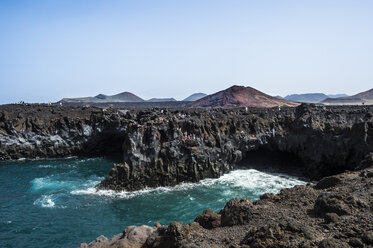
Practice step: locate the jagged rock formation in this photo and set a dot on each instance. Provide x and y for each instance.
(240, 96)
(167, 147)
(42, 131)
(163, 150)
(336, 212)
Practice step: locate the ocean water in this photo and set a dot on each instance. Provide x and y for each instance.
(53, 203)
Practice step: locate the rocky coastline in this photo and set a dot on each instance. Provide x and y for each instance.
(164, 147)
(336, 212)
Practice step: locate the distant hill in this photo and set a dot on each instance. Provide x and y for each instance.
(360, 98)
(121, 97)
(194, 97)
(311, 97)
(337, 95)
(240, 96)
(162, 100)
(366, 95)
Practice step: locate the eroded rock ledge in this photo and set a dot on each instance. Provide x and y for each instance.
(167, 147)
(336, 212)
(174, 147)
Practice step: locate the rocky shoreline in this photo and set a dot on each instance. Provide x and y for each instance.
(165, 150)
(336, 212)
(164, 147)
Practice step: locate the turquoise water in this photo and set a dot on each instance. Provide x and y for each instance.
(53, 203)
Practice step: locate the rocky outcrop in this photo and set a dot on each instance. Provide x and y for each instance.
(43, 131)
(163, 147)
(174, 147)
(322, 215)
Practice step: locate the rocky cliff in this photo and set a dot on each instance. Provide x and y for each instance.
(166, 147)
(43, 131)
(162, 150)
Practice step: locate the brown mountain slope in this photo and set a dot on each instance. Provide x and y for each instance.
(240, 96)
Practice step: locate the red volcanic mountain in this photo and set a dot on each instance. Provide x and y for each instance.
(240, 96)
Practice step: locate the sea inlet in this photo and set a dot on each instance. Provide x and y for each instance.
(55, 202)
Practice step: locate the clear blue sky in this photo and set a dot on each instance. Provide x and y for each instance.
(55, 49)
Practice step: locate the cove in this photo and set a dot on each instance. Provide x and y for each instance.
(55, 202)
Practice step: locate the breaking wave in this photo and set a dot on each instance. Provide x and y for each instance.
(255, 181)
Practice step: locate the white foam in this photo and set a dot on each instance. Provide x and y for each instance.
(48, 183)
(256, 181)
(45, 201)
(51, 183)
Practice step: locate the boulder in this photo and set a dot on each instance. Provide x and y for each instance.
(328, 182)
(209, 219)
(236, 212)
(330, 202)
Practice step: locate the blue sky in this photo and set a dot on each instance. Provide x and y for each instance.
(55, 49)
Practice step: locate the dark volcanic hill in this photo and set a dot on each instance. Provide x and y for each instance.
(194, 97)
(121, 97)
(363, 97)
(240, 96)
